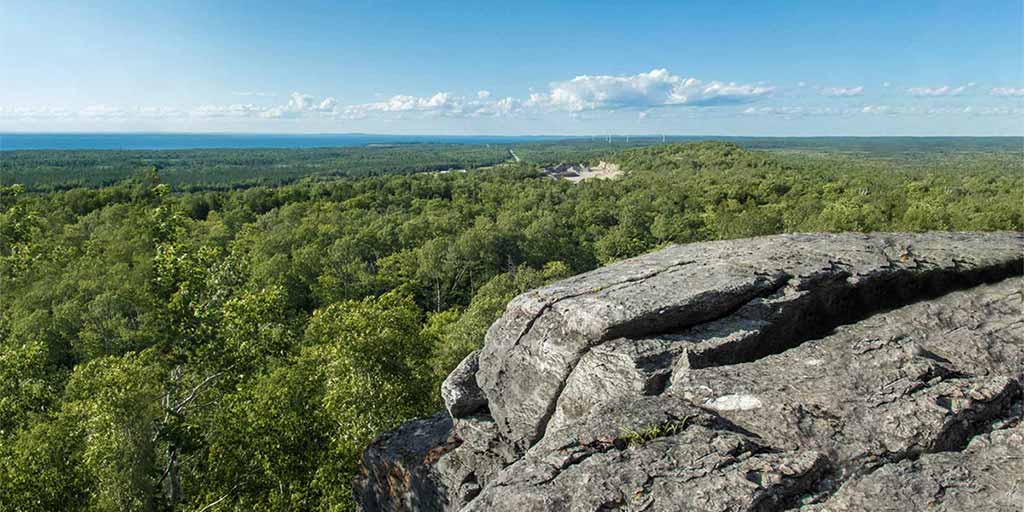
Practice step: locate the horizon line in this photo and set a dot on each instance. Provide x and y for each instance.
(567, 136)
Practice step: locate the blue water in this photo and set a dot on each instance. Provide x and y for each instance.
(15, 141)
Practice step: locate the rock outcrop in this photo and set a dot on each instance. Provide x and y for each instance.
(817, 372)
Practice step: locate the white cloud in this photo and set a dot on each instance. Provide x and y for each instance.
(890, 110)
(801, 84)
(790, 112)
(1007, 91)
(156, 112)
(886, 84)
(976, 111)
(648, 95)
(440, 104)
(644, 91)
(328, 104)
(843, 91)
(300, 104)
(656, 88)
(237, 110)
(503, 107)
(34, 113)
(795, 111)
(944, 90)
(941, 111)
(405, 103)
(102, 112)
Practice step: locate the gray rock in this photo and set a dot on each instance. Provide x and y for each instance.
(986, 476)
(793, 287)
(474, 463)
(460, 392)
(652, 454)
(762, 374)
(922, 378)
(397, 471)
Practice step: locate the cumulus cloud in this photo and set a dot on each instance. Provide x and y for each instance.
(504, 107)
(483, 94)
(406, 103)
(843, 91)
(656, 88)
(1007, 91)
(300, 104)
(945, 90)
(440, 104)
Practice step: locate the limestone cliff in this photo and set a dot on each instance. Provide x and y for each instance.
(817, 372)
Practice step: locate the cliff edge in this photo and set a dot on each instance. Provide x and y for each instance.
(810, 372)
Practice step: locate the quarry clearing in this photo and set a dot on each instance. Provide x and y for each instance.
(581, 172)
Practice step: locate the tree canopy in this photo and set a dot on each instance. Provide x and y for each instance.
(165, 347)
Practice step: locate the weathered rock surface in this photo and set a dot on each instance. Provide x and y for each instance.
(985, 476)
(400, 464)
(462, 396)
(763, 374)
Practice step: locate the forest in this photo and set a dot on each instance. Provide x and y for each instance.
(228, 329)
(232, 169)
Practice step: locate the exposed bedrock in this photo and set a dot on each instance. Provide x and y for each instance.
(761, 374)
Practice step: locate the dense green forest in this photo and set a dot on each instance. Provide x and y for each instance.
(232, 169)
(200, 333)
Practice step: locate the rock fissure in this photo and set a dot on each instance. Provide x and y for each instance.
(780, 283)
(850, 308)
(551, 304)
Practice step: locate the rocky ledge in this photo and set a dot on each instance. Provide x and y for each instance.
(813, 372)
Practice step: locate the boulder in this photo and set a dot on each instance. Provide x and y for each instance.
(462, 397)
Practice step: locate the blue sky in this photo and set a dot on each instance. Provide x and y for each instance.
(587, 67)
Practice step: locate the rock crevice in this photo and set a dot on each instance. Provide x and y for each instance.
(784, 372)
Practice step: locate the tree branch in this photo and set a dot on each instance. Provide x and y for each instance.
(195, 392)
(215, 503)
(218, 500)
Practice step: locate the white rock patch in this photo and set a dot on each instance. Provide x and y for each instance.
(734, 403)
